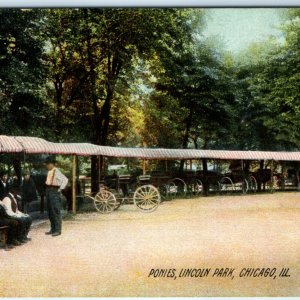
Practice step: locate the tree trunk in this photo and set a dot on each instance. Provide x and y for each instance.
(105, 115)
(96, 124)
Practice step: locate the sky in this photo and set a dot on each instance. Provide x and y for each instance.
(238, 28)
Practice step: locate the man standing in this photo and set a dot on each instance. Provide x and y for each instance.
(56, 181)
(29, 193)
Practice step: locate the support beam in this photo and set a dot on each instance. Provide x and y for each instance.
(283, 169)
(272, 176)
(204, 179)
(261, 170)
(100, 170)
(74, 179)
(144, 167)
(243, 169)
(101, 165)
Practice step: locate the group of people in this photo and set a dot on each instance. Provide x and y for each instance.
(16, 219)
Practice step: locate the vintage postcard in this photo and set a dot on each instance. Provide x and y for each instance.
(149, 152)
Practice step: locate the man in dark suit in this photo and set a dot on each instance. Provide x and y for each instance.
(4, 184)
(10, 205)
(29, 192)
(14, 228)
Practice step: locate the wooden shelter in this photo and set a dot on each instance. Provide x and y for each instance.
(34, 145)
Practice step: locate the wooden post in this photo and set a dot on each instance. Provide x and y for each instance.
(243, 169)
(261, 168)
(101, 165)
(204, 179)
(298, 179)
(282, 186)
(74, 183)
(144, 167)
(272, 179)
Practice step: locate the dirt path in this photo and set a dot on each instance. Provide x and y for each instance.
(112, 255)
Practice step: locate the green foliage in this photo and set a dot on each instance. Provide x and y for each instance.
(20, 51)
(22, 74)
(269, 86)
(145, 77)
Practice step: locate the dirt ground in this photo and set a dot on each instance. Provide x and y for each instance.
(112, 255)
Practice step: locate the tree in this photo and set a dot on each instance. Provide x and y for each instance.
(23, 109)
(274, 91)
(195, 78)
(92, 52)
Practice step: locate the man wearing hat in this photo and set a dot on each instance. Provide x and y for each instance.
(4, 184)
(56, 181)
(29, 192)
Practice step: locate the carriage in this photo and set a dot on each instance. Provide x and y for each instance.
(124, 189)
(238, 181)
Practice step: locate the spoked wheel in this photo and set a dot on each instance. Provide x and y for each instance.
(164, 193)
(252, 184)
(171, 189)
(119, 199)
(214, 187)
(196, 187)
(105, 201)
(226, 185)
(272, 184)
(146, 198)
(245, 186)
(119, 202)
(180, 186)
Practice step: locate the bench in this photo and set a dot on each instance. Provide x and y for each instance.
(3, 236)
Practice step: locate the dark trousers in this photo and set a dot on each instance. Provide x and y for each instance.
(14, 228)
(25, 223)
(54, 209)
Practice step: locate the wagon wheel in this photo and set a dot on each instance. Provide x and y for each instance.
(171, 189)
(197, 187)
(272, 184)
(180, 186)
(226, 184)
(245, 186)
(213, 187)
(147, 198)
(105, 201)
(119, 202)
(119, 199)
(164, 191)
(253, 184)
